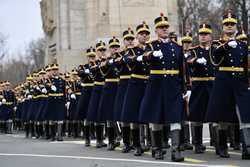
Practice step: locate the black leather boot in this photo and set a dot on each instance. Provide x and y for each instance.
(158, 145)
(176, 155)
(87, 135)
(27, 129)
(111, 137)
(99, 137)
(126, 139)
(136, 142)
(76, 132)
(198, 139)
(223, 148)
(32, 127)
(53, 132)
(70, 127)
(236, 137)
(59, 132)
(47, 131)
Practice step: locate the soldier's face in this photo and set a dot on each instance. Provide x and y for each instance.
(55, 72)
(101, 53)
(91, 59)
(7, 86)
(43, 76)
(229, 28)
(114, 49)
(186, 45)
(162, 32)
(143, 37)
(204, 37)
(129, 42)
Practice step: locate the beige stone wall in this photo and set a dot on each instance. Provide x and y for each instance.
(80, 23)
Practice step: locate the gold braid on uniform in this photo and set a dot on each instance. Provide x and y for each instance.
(134, 55)
(194, 58)
(149, 52)
(211, 59)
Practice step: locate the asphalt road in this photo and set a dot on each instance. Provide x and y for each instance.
(17, 151)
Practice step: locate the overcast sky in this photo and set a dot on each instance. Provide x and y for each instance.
(20, 20)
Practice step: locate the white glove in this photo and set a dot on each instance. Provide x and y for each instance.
(29, 96)
(232, 44)
(3, 100)
(44, 90)
(185, 55)
(249, 88)
(1, 103)
(139, 58)
(187, 95)
(201, 61)
(15, 108)
(73, 96)
(86, 71)
(67, 105)
(158, 54)
(37, 88)
(111, 61)
(53, 88)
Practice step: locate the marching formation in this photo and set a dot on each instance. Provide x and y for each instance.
(144, 94)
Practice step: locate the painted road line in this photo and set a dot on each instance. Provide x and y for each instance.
(107, 159)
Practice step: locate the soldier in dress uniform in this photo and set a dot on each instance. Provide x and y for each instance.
(57, 102)
(124, 75)
(33, 109)
(234, 129)
(73, 95)
(47, 84)
(98, 78)
(163, 102)
(136, 85)
(69, 116)
(69, 121)
(166, 128)
(43, 102)
(27, 99)
(87, 84)
(8, 106)
(39, 103)
(202, 73)
(17, 107)
(230, 87)
(186, 42)
(105, 108)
